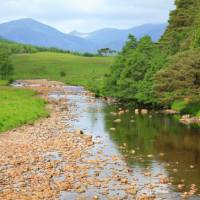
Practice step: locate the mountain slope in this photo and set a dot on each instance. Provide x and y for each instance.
(29, 31)
(115, 38)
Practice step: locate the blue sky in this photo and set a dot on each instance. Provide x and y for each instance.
(88, 15)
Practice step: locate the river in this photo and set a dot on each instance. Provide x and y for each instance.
(152, 145)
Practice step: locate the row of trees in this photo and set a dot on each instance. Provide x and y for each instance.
(158, 74)
(147, 75)
(132, 74)
(106, 52)
(17, 48)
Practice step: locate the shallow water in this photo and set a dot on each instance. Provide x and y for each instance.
(157, 144)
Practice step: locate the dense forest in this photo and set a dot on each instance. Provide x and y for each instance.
(163, 74)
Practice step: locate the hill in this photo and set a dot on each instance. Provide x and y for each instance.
(79, 70)
(115, 38)
(29, 31)
(14, 47)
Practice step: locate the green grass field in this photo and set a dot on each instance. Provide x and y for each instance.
(3, 83)
(18, 107)
(79, 70)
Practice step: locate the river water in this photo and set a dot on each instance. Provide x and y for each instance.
(152, 145)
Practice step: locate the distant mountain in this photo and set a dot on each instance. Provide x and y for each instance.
(115, 38)
(29, 31)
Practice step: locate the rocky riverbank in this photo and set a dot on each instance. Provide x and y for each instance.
(46, 161)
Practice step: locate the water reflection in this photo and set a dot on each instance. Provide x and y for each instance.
(155, 142)
(178, 144)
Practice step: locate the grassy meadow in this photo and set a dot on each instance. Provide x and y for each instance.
(18, 107)
(79, 70)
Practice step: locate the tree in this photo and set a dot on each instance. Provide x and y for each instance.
(104, 51)
(6, 67)
(180, 78)
(132, 75)
(111, 86)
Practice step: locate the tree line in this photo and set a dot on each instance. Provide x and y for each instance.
(158, 74)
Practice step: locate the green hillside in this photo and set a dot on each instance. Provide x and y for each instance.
(68, 68)
(21, 106)
(13, 47)
(32, 62)
(19, 48)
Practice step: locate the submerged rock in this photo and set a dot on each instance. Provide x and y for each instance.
(144, 111)
(78, 131)
(44, 160)
(117, 120)
(137, 111)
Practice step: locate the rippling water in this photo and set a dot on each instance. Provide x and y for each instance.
(152, 145)
(155, 143)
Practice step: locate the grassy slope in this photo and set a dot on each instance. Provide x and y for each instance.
(79, 70)
(19, 107)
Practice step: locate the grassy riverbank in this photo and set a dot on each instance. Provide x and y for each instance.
(67, 68)
(19, 107)
(187, 107)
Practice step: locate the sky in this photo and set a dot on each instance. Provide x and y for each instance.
(88, 15)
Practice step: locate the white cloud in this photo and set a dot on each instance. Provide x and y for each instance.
(87, 15)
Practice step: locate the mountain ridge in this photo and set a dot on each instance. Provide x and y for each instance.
(32, 32)
(115, 38)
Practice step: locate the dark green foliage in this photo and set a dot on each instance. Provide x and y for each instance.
(132, 75)
(192, 108)
(180, 78)
(62, 74)
(6, 67)
(187, 106)
(106, 52)
(183, 32)
(158, 74)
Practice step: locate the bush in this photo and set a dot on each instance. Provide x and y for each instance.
(62, 74)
